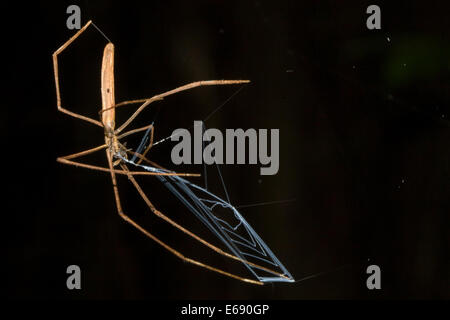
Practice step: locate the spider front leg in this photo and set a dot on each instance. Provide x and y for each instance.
(168, 93)
(56, 76)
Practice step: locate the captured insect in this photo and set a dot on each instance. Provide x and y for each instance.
(238, 236)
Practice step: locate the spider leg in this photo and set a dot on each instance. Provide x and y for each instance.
(123, 135)
(56, 76)
(143, 158)
(122, 172)
(67, 160)
(150, 145)
(152, 130)
(168, 93)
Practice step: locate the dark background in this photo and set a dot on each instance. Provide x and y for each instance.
(364, 145)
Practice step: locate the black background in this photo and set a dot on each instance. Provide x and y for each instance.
(364, 145)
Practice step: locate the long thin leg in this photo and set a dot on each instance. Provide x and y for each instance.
(168, 93)
(122, 172)
(152, 130)
(189, 233)
(66, 160)
(83, 153)
(150, 145)
(161, 243)
(125, 134)
(141, 156)
(56, 75)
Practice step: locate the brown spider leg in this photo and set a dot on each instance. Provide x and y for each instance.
(123, 135)
(189, 233)
(185, 174)
(168, 93)
(66, 160)
(138, 130)
(124, 103)
(142, 158)
(83, 153)
(149, 146)
(154, 238)
(136, 173)
(56, 75)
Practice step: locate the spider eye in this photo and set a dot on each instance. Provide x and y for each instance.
(107, 90)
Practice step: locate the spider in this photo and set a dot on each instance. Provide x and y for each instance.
(117, 156)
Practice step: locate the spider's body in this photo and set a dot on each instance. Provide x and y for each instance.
(107, 89)
(108, 114)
